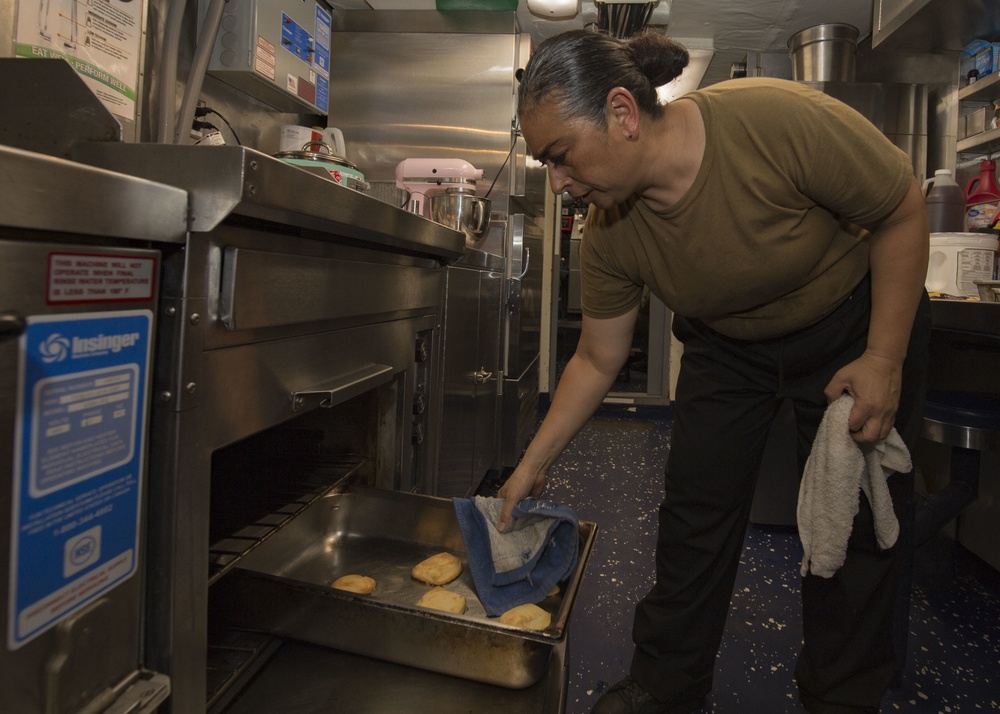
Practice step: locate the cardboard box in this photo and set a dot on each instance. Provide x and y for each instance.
(982, 56)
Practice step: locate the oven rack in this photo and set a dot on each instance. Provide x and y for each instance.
(234, 656)
(283, 501)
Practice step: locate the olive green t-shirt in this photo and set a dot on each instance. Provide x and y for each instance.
(766, 241)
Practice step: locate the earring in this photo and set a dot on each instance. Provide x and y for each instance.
(629, 135)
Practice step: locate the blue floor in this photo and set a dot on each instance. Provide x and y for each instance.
(612, 474)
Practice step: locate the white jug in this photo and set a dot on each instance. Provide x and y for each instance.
(335, 138)
(296, 138)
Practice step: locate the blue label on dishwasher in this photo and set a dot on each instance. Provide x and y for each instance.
(80, 430)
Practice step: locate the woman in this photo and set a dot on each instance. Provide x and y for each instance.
(741, 206)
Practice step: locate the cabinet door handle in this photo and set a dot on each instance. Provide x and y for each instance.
(527, 262)
(481, 376)
(11, 325)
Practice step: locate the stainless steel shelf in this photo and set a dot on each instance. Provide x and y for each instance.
(986, 89)
(983, 92)
(986, 143)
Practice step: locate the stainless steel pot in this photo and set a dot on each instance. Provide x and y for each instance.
(824, 53)
(325, 163)
(462, 210)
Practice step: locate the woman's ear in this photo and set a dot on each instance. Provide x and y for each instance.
(623, 113)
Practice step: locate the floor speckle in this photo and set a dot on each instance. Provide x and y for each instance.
(612, 474)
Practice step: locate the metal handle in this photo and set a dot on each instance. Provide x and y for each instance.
(481, 376)
(342, 388)
(527, 262)
(11, 325)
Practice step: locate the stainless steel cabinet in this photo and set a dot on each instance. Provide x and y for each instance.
(522, 331)
(471, 370)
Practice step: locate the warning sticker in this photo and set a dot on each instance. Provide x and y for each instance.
(264, 59)
(79, 278)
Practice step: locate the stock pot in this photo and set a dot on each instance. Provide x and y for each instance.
(318, 157)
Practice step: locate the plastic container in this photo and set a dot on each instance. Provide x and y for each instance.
(958, 259)
(945, 203)
(982, 198)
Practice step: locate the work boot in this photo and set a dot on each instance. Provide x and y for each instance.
(627, 697)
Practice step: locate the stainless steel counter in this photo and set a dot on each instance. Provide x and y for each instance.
(228, 181)
(45, 193)
(966, 316)
(964, 350)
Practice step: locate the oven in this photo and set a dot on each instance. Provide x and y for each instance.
(299, 326)
(298, 361)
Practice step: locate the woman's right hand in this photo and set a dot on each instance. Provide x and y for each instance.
(523, 482)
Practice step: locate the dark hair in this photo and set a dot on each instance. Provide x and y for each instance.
(577, 69)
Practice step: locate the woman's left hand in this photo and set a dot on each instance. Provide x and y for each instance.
(874, 383)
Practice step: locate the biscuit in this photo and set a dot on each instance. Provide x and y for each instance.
(528, 617)
(438, 598)
(361, 584)
(438, 569)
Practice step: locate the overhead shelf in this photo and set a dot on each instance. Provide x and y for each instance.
(933, 25)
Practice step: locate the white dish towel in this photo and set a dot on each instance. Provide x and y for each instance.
(837, 470)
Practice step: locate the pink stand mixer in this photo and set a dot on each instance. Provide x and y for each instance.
(444, 190)
(421, 178)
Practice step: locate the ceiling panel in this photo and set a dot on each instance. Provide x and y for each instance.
(730, 27)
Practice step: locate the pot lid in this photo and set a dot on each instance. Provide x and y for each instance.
(316, 156)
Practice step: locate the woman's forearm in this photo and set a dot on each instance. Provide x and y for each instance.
(580, 392)
(603, 348)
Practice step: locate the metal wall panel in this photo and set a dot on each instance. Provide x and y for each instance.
(429, 95)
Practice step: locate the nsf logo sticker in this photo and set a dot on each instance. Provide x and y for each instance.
(55, 348)
(81, 550)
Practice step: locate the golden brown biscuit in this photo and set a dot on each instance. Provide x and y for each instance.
(438, 569)
(437, 598)
(361, 584)
(527, 616)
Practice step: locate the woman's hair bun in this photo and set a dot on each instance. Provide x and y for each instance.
(658, 57)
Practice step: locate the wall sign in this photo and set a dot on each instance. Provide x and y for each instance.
(99, 39)
(80, 425)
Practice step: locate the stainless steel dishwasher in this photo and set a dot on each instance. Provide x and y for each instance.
(79, 281)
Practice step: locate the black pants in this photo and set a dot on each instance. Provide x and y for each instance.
(728, 394)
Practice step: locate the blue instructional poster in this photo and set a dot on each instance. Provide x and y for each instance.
(321, 62)
(80, 431)
(323, 33)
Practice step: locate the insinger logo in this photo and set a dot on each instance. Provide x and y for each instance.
(56, 348)
(104, 343)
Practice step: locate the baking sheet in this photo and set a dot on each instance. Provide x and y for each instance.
(283, 587)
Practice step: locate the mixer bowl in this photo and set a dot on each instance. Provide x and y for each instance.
(462, 211)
